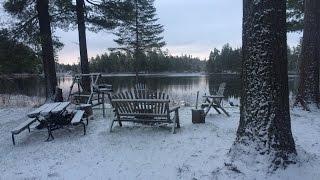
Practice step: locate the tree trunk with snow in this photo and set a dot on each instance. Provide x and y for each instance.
(265, 127)
(308, 92)
(47, 47)
(84, 63)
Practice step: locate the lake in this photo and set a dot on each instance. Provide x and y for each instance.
(180, 87)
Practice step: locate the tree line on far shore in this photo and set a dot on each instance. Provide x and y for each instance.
(228, 59)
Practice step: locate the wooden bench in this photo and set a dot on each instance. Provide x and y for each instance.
(152, 108)
(25, 125)
(78, 119)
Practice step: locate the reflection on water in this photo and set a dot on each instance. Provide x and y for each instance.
(180, 88)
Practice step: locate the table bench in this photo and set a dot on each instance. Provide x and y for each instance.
(23, 126)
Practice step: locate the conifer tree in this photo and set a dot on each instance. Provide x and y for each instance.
(265, 127)
(295, 14)
(140, 32)
(308, 92)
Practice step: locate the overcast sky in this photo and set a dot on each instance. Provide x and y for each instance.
(191, 27)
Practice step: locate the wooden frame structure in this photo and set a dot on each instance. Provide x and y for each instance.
(95, 97)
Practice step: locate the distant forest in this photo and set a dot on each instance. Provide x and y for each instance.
(18, 58)
(229, 60)
(152, 62)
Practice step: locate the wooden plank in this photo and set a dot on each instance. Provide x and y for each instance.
(130, 106)
(49, 108)
(143, 114)
(141, 100)
(143, 120)
(162, 105)
(23, 126)
(37, 111)
(60, 108)
(127, 104)
(124, 105)
(77, 117)
(214, 96)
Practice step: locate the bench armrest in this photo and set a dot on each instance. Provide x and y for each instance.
(175, 108)
(214, 96)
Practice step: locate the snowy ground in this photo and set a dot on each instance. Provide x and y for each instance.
(142, 152)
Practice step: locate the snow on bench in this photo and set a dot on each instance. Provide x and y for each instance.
(77, 118)
(25, 125)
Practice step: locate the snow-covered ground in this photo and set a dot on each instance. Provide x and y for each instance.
(143, 152)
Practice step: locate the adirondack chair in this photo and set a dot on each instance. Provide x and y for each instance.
(144, 107)
(215, 101)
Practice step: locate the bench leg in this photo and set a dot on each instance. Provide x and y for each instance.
(29, 128)
(111, 125)
(13, 141)
(87, 120)
(224, 111)
(216, 109)
(84, 128)
(103, 107)
(120, 123)
(177, 116)
(174, 125)
(50, 136)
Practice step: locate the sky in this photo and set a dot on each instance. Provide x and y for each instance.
(193, 27)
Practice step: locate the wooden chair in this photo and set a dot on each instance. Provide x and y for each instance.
(144, 107)
(215, 101)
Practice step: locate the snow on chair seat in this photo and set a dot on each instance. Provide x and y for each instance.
(25, 125)
(77, 119)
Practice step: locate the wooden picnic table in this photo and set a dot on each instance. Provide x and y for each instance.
(45, 113)
(48, 109)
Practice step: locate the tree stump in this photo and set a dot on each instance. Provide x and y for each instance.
(58, 96)
(198, 116)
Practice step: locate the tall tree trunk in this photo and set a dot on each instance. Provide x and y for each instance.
(47, 47)
(308, 92)
(265, 127)
(83, 45)
(136, 53)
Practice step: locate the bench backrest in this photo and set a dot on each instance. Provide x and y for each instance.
(148, 103)
(141, 107)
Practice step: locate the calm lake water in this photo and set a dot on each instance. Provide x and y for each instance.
(180, 87)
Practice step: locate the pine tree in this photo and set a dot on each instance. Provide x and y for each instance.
(140, 32)
(265, 127)
(38, 10)
(308, 92)
(64, 15)
(295, 14)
